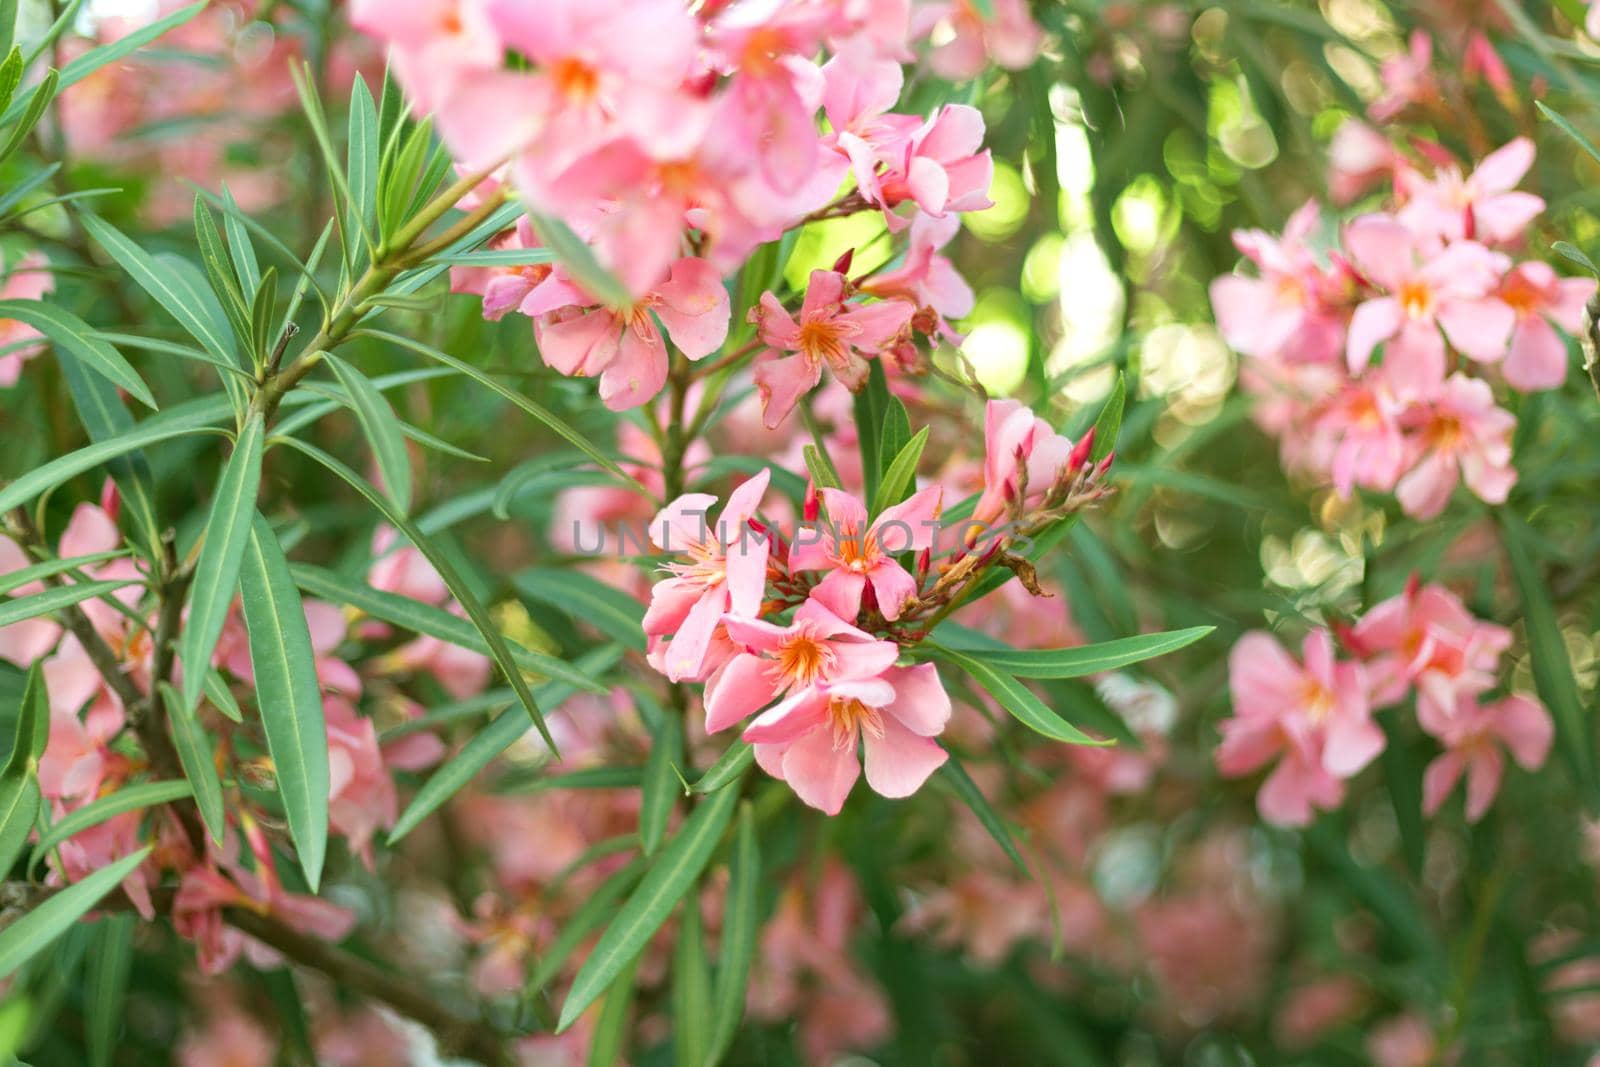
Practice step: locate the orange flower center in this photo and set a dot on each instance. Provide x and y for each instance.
(848, 717)
(802, 660)
(823, 341)
(1416, 298)
(575, 79)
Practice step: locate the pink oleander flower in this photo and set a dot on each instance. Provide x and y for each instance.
(969, 40)
(230, 1037)
(1462, 437)
(1313, 716)
(726, 572)
(828, 332)
(1407, 79)
(1021, 448)
(403, 570)
(29, 279)
(1538, 355)
(859, 95)
(1473, 736)
(205, 891)
(434, 44)
(773, 661)
(361, 795)
(1364, 419)
(945, 167)
(1359, 158)
(855, 553)
(1484, 206)
(1425, 289)
(623, 346)
(837, 685)
(1425, 637)
(1294, 310)
(1404, 1041)
(504, 289)
(23, 642)
(926, 278)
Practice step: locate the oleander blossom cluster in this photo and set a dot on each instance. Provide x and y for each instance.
(675, 140)
(1314, 718)
(804, 638)
(1376, 360)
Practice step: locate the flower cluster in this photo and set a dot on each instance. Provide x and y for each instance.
(1432, 282)
(675, 142)
(806, 633)
(1314, 716)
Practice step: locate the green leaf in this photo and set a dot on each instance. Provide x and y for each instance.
(823, 476)
(498, 649)
(362, 153)
(72, 333)
(599, 907)
(1109, 423)
(382, 427)
(1572, 253)
(549, 419)
(95, 58)
(1091, 659)
(19, 807)
(433, 621)
(52, 567)
(216, 572)
(606, 608)
(961, 783)
(1569, 129)
(896, 433)
(106, 986)
(691, 987)
(33, 722)
(55, 598)
(64, 467)
(901, 473)
(8, 34)
(660, 790)
(199, 765)
(105, 417)
(1015, 697)
(740, 933)
(503, 731)
(262, 320)
(1552, 666)
(214, 258)
(128, 798)
(497, 257)
(179, 301)
(677, 867)
(245, 265)
(221, 696)
(38, 100)
(729, 768)
(37, 929)
(289, 698)
(611, 1029)
(871, 404)
(579, 261)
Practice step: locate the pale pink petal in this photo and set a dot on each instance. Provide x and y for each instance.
(900, 761)
(1374, 322)
(1538, 356)
(744, 687)
(920, 701)
(820, 774)
(694, 307)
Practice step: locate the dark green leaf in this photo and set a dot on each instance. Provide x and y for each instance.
(378, 422)
(608, 609)
(289, 698)
(199, 765)
(961, 783)
(900, 477)
(740, 932)
(72, 333)
(106, 986)
(659, 794)
(128, 798)
(729, 767)
(1015, 697)
(35, 931)
(216, 571)
(53, 599)
(1091, 659)
(691, 987)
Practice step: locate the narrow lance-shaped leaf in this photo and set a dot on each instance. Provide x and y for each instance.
(105, 417)
(96, 58)
(199, 766)
(19, 784)
(579, 261)
(740, 929)
(468, 600)
(181, 303)
(37, 102)
(106, 986)
(1091, 659)
(214, 258)
(691, 987)
(54, 599)
(432, 621)
(37, 929)
(382, 428)
(609, 610)
(660, 792)
(611, 1030)
(961, 783)
(676, 868)
(216, 572)
(128, 798)
(262, 320)
(288, 695)
(243, 253)
(901, 474)
(728, 768)
(72, 333)
(363, 150)
(501, 733)
(50, 567)
(1015, 697)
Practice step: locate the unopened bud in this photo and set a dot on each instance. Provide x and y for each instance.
(842, 264)
(1080, 452)
(812, 507)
